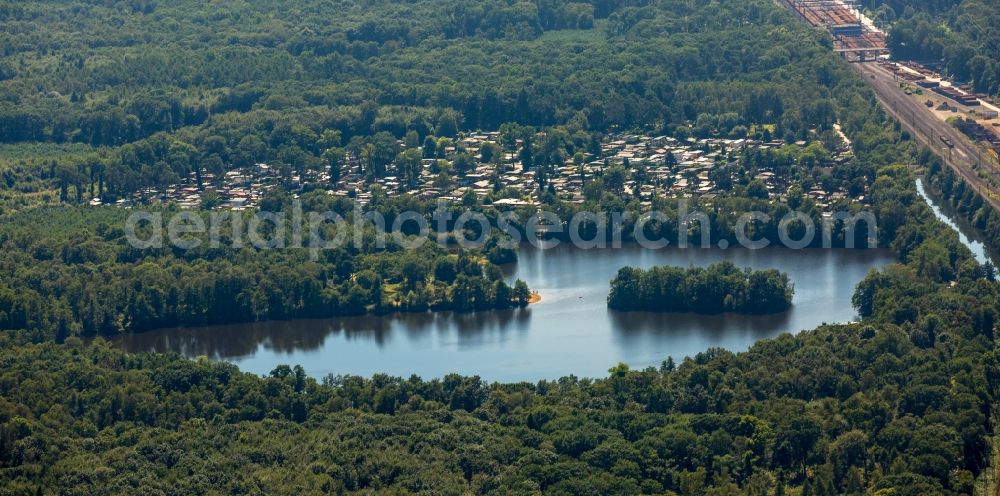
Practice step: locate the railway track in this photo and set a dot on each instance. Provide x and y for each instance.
(932, 132)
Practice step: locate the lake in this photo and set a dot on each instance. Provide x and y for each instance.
(571, 331)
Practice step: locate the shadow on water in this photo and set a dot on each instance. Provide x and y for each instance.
(571, 331)
(237, 341)
(634, 324)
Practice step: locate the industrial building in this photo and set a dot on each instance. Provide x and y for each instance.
(851, 34)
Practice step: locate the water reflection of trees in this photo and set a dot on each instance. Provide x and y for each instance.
(636, 325)
(233, 342)
(572, 319)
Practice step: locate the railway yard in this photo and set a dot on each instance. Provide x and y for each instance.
(853, 34)
(965, 135)
(961, 126)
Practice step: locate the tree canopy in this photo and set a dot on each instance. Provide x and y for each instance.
(101, 98)
(719, 288)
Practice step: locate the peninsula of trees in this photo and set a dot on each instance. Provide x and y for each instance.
(722, 287)
(96, 283)
(108, 99)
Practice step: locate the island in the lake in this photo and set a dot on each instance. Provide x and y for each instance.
(720, 288)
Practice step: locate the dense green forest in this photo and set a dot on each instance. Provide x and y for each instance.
(897, 404)
(220, 90)
(385, 66)
(73, 272)
(961, 34)
(966, 202)
(719, 288)
(103, 97)
(159, 90)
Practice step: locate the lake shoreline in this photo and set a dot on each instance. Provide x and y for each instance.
(567, 328)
